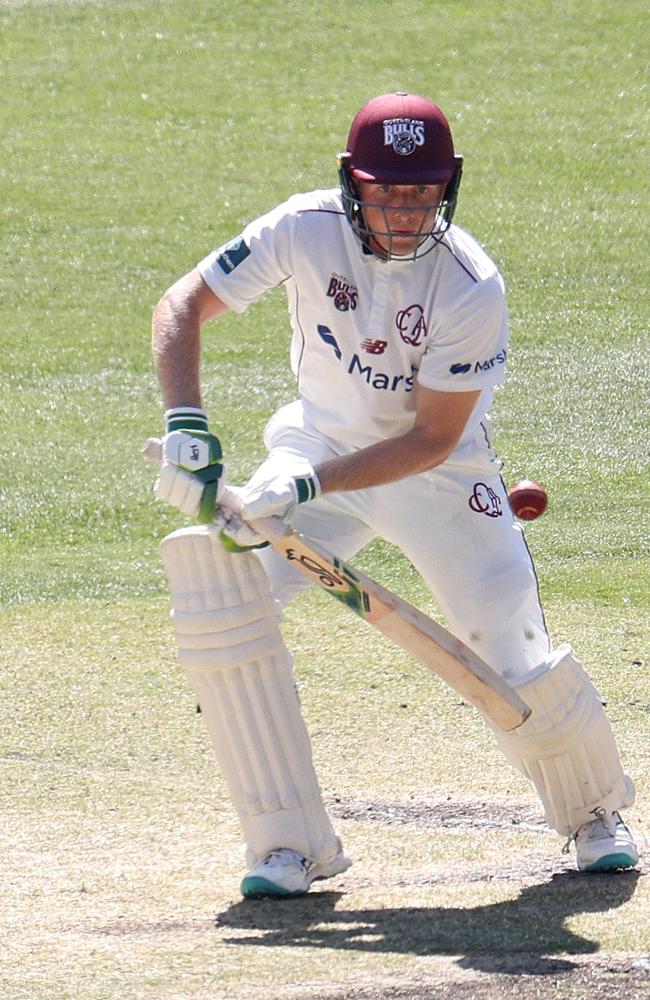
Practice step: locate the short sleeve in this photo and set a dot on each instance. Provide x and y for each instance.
(259, 259)
(468, 348)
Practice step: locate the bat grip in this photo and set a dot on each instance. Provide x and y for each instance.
(270, 528)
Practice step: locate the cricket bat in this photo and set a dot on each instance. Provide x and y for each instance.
(426, 640)
(430, 643)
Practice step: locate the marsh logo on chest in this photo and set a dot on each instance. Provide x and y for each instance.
(411, 325)
(344, 293)
(375, 379)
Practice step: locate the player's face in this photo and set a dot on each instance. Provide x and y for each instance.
(399, 216)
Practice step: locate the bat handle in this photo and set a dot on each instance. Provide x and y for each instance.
(271, 528)
(152, 450)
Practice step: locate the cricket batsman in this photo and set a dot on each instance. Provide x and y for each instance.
(399, 339)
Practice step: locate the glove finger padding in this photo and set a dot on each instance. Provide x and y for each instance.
(191, 473)
(179, 489)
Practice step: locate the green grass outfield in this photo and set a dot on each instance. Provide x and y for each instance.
(137, 136)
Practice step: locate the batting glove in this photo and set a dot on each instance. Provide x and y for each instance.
(236, 535)
(278, 497)
(191, 473)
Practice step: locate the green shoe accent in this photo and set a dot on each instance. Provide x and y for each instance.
(254, 887)
(611, 862)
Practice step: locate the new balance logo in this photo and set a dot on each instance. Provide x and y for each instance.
(374, 346)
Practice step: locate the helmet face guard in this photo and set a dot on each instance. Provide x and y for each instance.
(399, 140)
(381, 242)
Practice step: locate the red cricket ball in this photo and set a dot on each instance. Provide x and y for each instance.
(528, 499)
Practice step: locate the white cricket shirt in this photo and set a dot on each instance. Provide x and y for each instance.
(366, 330)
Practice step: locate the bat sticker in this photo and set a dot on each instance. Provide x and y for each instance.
(344, 586)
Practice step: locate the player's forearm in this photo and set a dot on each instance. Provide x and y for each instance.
(384, 462)
(176, 345)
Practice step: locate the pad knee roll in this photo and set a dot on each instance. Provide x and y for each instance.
(566, 747)
(232, 650)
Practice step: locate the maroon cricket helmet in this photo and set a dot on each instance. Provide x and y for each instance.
(401, 139)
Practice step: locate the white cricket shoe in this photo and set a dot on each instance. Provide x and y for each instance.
(284, 872)
(605, 844)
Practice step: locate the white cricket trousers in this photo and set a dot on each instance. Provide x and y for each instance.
(453, 523)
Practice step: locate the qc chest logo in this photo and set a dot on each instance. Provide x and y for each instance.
(412, 325)
(344, 293)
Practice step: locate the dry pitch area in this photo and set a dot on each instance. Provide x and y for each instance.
(121, 855)
(489, 912)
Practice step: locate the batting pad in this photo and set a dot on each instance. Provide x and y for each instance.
(566, 747)
(230, 646)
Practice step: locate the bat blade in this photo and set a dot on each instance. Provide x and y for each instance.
(439, 650)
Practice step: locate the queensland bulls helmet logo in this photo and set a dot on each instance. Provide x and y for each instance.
(403, 134)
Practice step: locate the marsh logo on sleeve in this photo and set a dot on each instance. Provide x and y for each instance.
(498, 359)
(464, 367)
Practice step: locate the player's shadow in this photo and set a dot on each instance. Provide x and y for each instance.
(533, 924)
